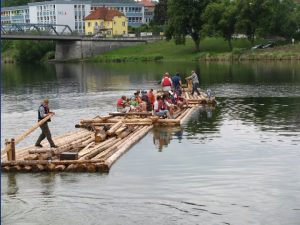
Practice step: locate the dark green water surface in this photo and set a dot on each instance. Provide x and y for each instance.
(237, 163)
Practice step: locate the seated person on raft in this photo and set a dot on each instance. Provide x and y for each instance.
(146, 101)
(151, 96)
(142, 104)
(123, 105)
(160, 109)
(134, 105)
(168, 104)
(178, 100)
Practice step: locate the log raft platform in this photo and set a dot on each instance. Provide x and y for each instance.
(96, 143)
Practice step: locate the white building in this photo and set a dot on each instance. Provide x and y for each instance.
(15, 14)
(60, 12)
(71, 12)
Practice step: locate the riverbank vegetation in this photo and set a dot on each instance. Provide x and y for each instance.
(210, 49)
(26, 51)
(225, 18)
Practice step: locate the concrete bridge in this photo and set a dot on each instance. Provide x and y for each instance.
(69, 45)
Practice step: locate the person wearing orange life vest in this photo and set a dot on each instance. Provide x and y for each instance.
(166, 82)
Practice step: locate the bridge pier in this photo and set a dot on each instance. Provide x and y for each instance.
(68, 50)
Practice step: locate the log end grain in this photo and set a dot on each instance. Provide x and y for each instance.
(91, 168)
(102, 168)
(59, 168)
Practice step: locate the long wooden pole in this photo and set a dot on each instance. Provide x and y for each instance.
(30, 130)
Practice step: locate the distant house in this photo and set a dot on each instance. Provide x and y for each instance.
(149, 7)
(106, 22)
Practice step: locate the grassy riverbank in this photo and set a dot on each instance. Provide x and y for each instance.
(210, 49)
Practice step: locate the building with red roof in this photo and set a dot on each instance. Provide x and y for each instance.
(106, 22)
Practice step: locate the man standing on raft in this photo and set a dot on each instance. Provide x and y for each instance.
(195, 81)
(42, 113)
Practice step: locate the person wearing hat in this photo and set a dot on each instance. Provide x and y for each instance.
(44, 111)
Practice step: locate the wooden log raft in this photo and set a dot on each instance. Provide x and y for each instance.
(125, 146)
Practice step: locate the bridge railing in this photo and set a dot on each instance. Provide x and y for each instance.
(39, 29)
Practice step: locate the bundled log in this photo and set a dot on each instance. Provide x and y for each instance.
(131, 114)
(189, 112)
(85, 150)
(88, 141)
(115, 145)
(115, 127)
(98, 119)
(125, 146)
(40, 151)
(100, 135)
(97, 149)
(126, 132)
(46, 162)
(85, 126)
(121, 129)
(125, 123)
(133, 120)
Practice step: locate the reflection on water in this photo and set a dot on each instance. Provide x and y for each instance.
(162, 136)
(12, 187)
(237, 163)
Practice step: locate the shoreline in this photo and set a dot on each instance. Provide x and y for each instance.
(211, 50)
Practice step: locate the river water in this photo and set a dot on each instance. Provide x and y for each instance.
(238, 163)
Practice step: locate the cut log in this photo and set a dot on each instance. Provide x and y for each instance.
(121, 129)
(125, 146)
(60, 168)
(89, 153)
(131, 114)
(97, 150)
(113, 129)
(100, 135)
(46, 162)
(27, 168)
(39, 151)
(126, 132)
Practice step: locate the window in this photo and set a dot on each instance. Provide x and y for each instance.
(115, 22)
(123, 24)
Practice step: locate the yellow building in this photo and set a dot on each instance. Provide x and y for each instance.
(106, 22)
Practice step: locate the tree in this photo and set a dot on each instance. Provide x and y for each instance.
(33, 51)
(160, 12)
(184, 18)
(285, 19)
(253, 18)
(220, 18)
(7, 3)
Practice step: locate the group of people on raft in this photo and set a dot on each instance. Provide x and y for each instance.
(165, 103)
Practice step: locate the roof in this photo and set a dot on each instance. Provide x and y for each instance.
(93, 2)
(103, 14)
(147, 3)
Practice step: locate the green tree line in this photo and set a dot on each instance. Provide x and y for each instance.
(29, 51)
(7, 3)
(224, 18)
